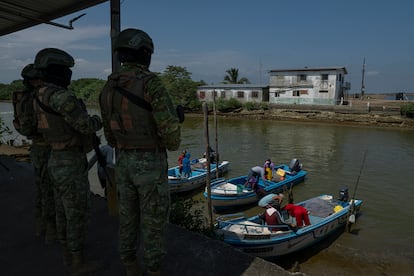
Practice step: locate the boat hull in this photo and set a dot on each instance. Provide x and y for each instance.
(180, 184)
(269, 245)
(226, 195)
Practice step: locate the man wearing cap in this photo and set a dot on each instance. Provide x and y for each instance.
(271, 215)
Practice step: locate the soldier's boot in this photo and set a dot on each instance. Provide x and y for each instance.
(80, 266)
(50, 235)
(132, 269)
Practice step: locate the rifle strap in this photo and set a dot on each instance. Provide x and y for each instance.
(45, 107)
(135, 99)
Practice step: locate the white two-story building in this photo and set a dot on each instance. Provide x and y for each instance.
(320, 86)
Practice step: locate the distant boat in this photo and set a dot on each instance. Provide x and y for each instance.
(231, 193)
(251, 236)
(179, 183)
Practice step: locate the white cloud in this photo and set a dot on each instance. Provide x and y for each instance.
(19, 49)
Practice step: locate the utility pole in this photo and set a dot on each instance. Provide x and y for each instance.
(115, 29)
(363, 80)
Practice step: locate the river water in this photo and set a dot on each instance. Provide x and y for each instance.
(382, 240)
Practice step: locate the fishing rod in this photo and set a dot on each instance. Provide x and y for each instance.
(351, 212)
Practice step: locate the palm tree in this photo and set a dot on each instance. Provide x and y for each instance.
(232, 77)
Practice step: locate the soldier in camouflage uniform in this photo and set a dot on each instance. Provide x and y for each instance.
(64, 122)
(140, 121)
(25, 123)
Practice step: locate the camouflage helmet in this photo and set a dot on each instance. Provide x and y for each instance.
(49, 56)
(133, 39)
(30, 72)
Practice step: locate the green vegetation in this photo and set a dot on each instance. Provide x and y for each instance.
(182, 88)
(233, 105)
(232, 77)
(176, 79)
(184, 213)
(256, 106)
(87, 89)
(6, 91)
(229, 105)
(407, 110)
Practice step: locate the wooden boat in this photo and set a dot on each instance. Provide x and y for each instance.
(179, 183)
(231, 193)
(326, 215)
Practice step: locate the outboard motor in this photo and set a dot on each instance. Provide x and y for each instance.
(294, 165)
(343, 194)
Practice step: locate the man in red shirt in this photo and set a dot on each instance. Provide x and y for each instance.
(299, 212)
(180, 161)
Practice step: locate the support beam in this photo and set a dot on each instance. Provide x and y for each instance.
(115, 29)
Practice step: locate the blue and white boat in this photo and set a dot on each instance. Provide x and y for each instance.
(250, 235)
(179, 183)
(231, 193)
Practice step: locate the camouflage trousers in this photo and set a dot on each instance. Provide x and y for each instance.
(144, 204)
(68, 171)
(44, 199)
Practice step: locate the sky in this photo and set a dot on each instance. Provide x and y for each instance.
(210, 37)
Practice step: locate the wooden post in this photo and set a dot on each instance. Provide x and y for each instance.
(215, 127)
(206, 135)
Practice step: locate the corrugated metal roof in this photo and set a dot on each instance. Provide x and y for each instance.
(16, 15)
(309, 69)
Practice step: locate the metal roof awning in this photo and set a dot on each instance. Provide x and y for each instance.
(16, 15)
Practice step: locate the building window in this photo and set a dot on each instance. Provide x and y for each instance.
(324, 77)
(303, 92)
(240, 94)
(214, 93)
(222, 94)
(323, 91)
(255, 94)
(302, 77)
(296, 93)
(202, 94)
(339, 77)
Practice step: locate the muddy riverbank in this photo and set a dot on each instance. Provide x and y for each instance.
(375, 113)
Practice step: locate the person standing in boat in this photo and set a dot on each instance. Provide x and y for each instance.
(269, 167)
(187, 165)
(212, 155)
(180, 161)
